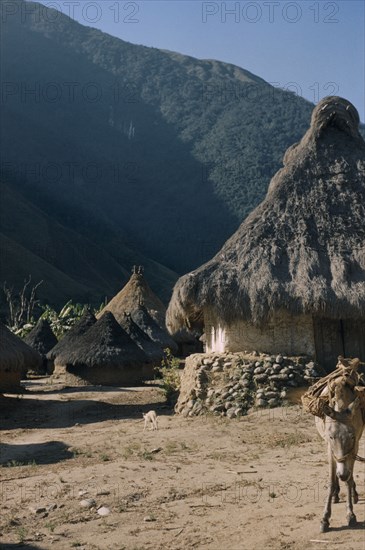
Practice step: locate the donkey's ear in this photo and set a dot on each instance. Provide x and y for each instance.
(342, 361)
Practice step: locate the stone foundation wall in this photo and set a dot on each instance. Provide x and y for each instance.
(283, 333)
(232, 384)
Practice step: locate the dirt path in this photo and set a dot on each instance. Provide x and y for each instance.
(204, 483)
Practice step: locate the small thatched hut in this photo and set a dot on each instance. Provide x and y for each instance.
(105, 355)
(135, 293)
(292, 278)
(15, 358)
(151, 349)
(145, 322)
(67, 341)
(42, 339)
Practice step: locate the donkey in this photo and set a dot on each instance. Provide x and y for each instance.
(341, 427)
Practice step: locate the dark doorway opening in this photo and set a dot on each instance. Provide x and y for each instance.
(334, 337)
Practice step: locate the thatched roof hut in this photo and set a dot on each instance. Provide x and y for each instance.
(151, 349)
(135, 293)
(67, 341)
(15, 358)
(145, 322)
(292, 278)
(105, 355)
(42, 339)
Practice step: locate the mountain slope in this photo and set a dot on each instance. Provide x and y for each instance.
(159, 152)
(69, 263)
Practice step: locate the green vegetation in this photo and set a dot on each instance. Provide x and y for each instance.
(63, 320)
(129, 451)
(76, 452)
(13, 464)
(170, 374)
(22, 533)
(146, 455)
(60, 321)
(172, 447)
(200, 138)
(288, 440)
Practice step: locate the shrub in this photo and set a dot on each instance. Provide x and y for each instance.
(170, 374)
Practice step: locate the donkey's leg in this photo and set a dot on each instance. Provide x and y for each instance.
(351, 518)
(331, 489)
(336, 493)
(355, 494)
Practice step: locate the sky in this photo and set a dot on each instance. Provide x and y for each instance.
(314, 48)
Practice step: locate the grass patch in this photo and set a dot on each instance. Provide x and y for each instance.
(13, 464)
(17, 463)
(146, 455)
(218, 455)
(130, 450)
(171, 447)
(76, 452)
(21, 533)
(287, 440)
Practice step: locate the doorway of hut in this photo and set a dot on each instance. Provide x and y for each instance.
(334, 337)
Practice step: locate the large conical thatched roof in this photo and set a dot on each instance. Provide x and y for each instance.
(303, 248)
(145, 322)
(11, 356)
(16, 354)
(41, 337)
(143, 341)
(86, 321)
(105, 344)
(135, 293)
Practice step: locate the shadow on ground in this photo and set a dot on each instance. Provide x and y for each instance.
(49, 452)
(359, 525)
(30, 413)
(34, 387)
(20, 546)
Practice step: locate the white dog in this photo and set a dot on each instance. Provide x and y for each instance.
(150, 417)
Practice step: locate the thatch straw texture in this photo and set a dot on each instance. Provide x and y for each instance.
(135, 293)
(145, 322)
(105, 354)
(11, 352)
(303, 247)
(151, 349)
(16, 358)
(41, 337)
(71, 337)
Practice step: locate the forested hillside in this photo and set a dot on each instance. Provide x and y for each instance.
(142, 153)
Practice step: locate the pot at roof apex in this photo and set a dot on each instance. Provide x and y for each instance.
(134, 294)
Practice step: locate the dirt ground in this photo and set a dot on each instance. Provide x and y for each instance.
(258, 482)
